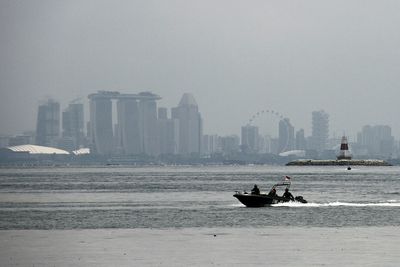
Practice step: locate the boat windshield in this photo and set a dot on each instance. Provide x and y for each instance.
(285, 184)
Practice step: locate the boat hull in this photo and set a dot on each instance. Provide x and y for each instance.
(262, 200)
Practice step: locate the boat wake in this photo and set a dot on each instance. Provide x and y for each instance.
(389, 203)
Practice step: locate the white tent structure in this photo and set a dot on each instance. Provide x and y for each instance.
(81, 151)
(34, 149)
(297, 153)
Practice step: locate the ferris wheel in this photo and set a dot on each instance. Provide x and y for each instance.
(277, 118)
(265, 112)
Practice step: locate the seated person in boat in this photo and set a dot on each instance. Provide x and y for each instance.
(288, 195)
(272, 193)
(255, 190)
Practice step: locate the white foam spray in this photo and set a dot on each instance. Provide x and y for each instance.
(390, 203)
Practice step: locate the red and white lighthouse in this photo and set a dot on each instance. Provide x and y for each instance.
(344, 150)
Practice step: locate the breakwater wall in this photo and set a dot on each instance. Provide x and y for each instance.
(352, 162)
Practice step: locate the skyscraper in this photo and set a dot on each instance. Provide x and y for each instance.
(301, 143)
(190, 125)
(320, 130)
(48, 123)
(136, 128)
(378, 140)
(148, 123)
(129, 134)
(286, 135)
(211, 144)
(168, 130)
(72, 124)
(249, 139)
(101, 128)
(230, 144)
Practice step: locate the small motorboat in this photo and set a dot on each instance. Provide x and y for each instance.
(263, 199)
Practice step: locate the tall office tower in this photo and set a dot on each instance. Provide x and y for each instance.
(168, 130)
(190, 125)
(101, 129)
(262, 144)
(136, 128)
(72, 124)
(250, 139)
(286, 135)
(211, 144)
(301, 143)
(148, 113)
(386, 140)
(378, 140)
(320, 130)
(162, 114)
(230, 144)
(274, 146)
(129, 137)
(205, 144)
(48, 123)
(359, 139)
(267, 143)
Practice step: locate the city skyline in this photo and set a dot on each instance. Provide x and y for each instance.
(133, 124)
(332, 133)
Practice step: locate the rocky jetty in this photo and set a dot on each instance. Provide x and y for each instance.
(342, 162)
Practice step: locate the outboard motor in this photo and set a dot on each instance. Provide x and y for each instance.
(300, 199)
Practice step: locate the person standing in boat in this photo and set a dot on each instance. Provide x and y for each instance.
(288, 195)
(272, 193)
(255, 190)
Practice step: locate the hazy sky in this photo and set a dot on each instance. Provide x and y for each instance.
(236, 57)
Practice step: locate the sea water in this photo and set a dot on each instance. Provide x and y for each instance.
(150, 212)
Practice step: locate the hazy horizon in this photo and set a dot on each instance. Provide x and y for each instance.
(235, 57)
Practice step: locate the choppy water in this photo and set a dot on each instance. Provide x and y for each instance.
(180, 197)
